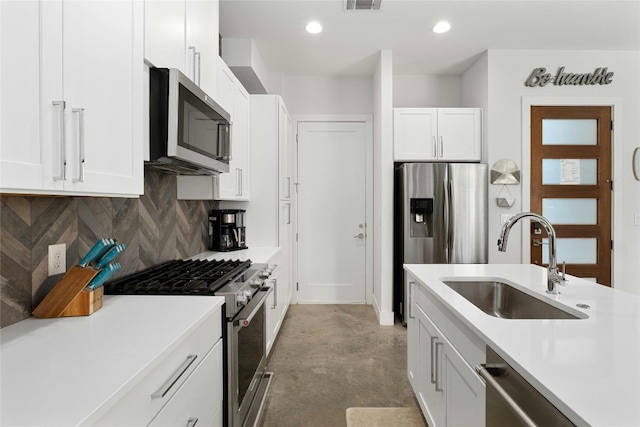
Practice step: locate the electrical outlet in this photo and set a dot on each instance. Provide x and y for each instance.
(57, 259)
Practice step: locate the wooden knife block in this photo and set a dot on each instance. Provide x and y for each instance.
(69, 298)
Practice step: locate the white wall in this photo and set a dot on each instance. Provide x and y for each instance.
(426, 91)
(474, 92)
(507, 71)
(328, 95)
(383, 189)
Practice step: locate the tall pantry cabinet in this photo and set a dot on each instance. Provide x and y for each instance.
(72, 97)
(271, 210)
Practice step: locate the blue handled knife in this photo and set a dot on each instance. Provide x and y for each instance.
(103, 275)
(110, 255)
(98, 249)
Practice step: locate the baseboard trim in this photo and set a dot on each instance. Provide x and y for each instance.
(385, 318)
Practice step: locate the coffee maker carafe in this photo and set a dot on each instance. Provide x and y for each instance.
(227, 230)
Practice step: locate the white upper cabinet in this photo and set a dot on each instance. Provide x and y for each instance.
(89, 114)
(202, 24)
(437, 134)
(164, 33)
(24, 159)
(285, 153)
(235, 185)
(183, 34)
(227, 83)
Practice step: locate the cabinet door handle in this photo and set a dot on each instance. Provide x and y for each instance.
(196, 67)
(435, 149)
(411, 284)
(238, 182)
(441, 147)
(191, 63)
(191, 422)
(63, 153)
(289, 213)
(275, 294)
(434, 341)
(287, 189)
(80, 112)
(439, 346)
(164, 389)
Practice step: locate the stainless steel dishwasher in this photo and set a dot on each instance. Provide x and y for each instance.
(512, 401)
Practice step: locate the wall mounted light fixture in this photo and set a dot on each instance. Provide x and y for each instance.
(505, 172)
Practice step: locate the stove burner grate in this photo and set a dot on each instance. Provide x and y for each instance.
(179, 277)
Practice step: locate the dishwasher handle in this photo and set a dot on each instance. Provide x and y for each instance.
(486, 373)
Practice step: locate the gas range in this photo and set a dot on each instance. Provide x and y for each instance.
(236, 281)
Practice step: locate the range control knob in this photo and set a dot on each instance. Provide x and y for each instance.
(255, 283)
(241, 299)
(265, 273)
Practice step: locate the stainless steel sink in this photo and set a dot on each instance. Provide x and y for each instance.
(499, 299)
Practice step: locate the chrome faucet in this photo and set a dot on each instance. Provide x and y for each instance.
(553, 277)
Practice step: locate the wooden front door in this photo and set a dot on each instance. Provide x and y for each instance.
(571, 186)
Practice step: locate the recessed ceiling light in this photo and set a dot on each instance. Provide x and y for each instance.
(441, 27)
(313, 27)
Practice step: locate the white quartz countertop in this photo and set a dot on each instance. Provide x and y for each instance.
(255, 254)
(69, 371)
(588, 368)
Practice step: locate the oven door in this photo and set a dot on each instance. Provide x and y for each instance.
(246, 356)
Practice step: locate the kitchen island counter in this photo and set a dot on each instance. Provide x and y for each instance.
(588, 368)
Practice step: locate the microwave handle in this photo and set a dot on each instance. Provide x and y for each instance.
(196, 67)
(224, 141)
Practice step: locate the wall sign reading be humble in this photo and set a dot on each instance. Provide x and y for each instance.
(540, 77)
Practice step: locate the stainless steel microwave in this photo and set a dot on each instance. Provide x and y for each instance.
(189, 133)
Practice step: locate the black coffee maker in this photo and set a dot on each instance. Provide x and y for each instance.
(227, 230)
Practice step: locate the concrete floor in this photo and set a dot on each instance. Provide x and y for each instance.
(331, 357)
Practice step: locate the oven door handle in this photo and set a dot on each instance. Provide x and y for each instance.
(254, 305)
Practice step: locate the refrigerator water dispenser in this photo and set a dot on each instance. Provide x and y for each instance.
(422, 217)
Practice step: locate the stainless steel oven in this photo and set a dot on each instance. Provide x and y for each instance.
(248, 377)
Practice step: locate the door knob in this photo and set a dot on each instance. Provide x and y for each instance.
(359, 236)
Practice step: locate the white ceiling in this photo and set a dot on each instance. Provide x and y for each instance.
(351, 40)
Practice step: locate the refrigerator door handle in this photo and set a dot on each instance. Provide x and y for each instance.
(451, 230)
(447, 215)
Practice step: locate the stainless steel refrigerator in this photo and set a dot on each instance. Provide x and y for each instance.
(440, 217)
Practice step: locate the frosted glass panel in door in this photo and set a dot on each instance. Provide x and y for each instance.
(569, 132)
(552, 172)
(570, 211)
(572, 251)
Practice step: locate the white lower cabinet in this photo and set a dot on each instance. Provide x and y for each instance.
(278, 302)
(185, 385)
(449, 391)
(199, 400)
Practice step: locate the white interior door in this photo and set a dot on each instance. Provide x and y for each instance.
(331, 212)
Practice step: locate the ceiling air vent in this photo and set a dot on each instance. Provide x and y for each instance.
(364, 4)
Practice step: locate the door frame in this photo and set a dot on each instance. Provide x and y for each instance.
(616, 159)
(367, 119)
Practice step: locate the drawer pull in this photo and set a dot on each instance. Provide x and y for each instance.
(191, 422)
(162, 391)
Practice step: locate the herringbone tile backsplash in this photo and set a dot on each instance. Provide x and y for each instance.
(155, 228)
